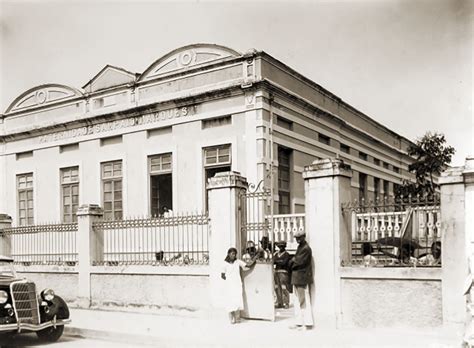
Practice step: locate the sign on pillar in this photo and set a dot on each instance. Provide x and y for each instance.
(327, 187)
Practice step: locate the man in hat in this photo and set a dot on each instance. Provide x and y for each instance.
(281, 260)
(301, 278)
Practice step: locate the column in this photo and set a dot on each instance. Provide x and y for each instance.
(5, 246)
(224, 190)
(453, 241)
(327, 186)
(89, 248)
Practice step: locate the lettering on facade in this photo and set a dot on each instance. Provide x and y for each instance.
(119, 124)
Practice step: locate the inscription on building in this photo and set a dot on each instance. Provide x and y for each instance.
(154, 117)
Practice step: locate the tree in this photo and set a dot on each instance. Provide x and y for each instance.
(432, 155)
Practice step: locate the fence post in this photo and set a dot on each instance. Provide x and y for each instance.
(453, 241)
(225, 226)
(5, 247)
(88, 249)
(327, 186)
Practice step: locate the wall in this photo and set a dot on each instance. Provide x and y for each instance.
(63, 283)
(391, 297)
(164, 294)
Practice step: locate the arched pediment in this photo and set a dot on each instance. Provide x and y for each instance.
(186, 57)
(43, 95)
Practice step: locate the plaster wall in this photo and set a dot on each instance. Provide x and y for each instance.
(63, 284)
(392, 298)
(167, 294)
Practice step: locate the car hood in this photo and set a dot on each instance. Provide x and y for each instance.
(8, 280)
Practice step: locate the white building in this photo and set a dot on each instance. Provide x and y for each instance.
(138, 144)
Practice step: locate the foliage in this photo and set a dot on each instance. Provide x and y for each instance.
(432, 155)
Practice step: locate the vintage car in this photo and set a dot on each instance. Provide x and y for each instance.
(22, 308)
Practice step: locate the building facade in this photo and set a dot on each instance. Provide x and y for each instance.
(142, 144)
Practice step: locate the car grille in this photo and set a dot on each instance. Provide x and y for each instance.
(25, 303)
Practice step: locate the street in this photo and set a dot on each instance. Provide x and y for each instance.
(30, 340)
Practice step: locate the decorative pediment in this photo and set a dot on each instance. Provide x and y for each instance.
(188, 56)
(109, 76)
(43, 95)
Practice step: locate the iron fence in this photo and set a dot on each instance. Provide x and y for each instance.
(51, 244)
(180, 239)
(399, 231)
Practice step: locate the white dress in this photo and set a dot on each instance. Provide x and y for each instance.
(233, 286)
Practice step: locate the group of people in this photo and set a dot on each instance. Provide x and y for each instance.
(292, 274)
(405, 256)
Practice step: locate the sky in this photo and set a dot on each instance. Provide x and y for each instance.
(405, 63)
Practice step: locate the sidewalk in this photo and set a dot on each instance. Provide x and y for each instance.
(174, 331)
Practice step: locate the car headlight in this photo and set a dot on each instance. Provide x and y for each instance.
(3, 296)
(47, 294)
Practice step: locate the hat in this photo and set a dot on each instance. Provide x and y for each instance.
(300, 233)
(280, 243)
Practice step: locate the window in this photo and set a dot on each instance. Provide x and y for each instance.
(69, 193)
(284, 123)
(112, 190)
(396, 169)
(25, 199)
(376, 188)
(363, 156)
(385, 188)
(324, 139)
(385, 165)
(284, 184)
(396, 189)
(161, 183)
(362, 186)
(217, 159)
(344, 148)
(376, 161)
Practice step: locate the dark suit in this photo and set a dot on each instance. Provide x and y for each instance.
(302, 273)
(301, 278)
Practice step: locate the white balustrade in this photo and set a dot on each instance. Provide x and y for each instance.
(285, 226)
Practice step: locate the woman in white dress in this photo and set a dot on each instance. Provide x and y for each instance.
(234, 302)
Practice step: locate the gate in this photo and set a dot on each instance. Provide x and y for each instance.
(258, 283)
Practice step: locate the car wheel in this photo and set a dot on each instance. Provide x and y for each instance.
(51, 334)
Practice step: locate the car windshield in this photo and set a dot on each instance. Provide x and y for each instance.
(6, 269)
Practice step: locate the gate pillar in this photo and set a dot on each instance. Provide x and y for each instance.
(327, 186)
(225, 223)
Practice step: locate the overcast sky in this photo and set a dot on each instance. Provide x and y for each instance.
(406, 64)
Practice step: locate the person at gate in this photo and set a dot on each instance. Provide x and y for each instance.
(369, 259)
(301, 278)
(234, 301)
(250, 251)
(281, 260)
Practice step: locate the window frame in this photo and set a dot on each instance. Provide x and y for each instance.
(25, 190)
(154, 173)
(70, 185)
(113, 180)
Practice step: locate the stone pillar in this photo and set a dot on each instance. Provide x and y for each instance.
(5, 240)
(468, 176)
(89, 248)
(225, 225)
(453, 241)
(327, 186)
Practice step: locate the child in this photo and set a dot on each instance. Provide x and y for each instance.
(233, 284)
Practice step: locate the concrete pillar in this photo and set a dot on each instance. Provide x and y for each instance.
(453, 241)
(89, 248)
(224, 190)
(5, 246)
(327, 186)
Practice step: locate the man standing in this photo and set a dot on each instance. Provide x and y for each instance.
(301, 278)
